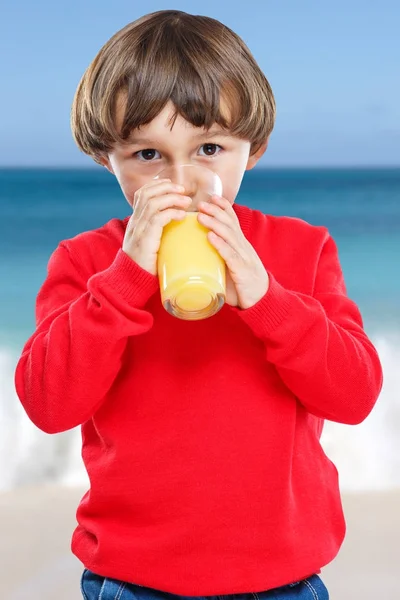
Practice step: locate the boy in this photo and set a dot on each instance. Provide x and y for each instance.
(201, 439)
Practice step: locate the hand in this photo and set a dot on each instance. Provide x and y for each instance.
(155, 205)
(247, 279)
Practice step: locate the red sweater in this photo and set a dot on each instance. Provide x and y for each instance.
(201, 439)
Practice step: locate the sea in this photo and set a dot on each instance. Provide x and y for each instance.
(360, 207)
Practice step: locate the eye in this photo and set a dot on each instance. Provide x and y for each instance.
(210, 149)
(146, 155)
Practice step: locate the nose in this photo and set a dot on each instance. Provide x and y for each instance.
(184, 174)
(178, 173)
(194, 178)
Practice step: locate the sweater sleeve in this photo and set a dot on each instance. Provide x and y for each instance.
(318, 345)
(82, 326)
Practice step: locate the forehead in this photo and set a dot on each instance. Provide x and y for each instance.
(164, 122)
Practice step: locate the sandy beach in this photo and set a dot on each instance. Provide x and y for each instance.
(36, 562)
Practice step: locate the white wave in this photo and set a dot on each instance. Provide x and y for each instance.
(366, 455)
(28, 455)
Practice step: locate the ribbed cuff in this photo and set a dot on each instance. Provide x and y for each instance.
(270, 311)
(127, 279)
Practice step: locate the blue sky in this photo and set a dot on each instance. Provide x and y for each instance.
(333, 66)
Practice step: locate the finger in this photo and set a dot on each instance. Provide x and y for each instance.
(217, 212)
(147, 209)
(142, 216)
(224, 230)
(146, 231)
(223, 203)
(142, 191)
(161, 219)
(153, 189)
(156, 205)
(146, 199)
(227, 252)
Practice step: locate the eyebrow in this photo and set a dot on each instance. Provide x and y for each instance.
(204, 135)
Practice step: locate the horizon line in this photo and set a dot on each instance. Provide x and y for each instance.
(257, 168)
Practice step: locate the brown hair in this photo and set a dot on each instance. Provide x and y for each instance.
(171, 55)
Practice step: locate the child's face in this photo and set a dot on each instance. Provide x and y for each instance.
(155, 146)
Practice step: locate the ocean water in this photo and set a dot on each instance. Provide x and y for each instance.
(361, 208)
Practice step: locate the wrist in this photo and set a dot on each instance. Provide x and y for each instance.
(255, 298)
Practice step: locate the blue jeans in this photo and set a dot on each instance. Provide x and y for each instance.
(95, 587)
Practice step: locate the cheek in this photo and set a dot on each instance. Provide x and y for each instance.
(233, 178)
(230, 190)
(128, 187)
(129, 182)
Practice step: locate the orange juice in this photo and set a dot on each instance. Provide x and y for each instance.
(191, 272)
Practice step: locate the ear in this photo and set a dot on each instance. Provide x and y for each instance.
(105, 162)
(254, 158)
